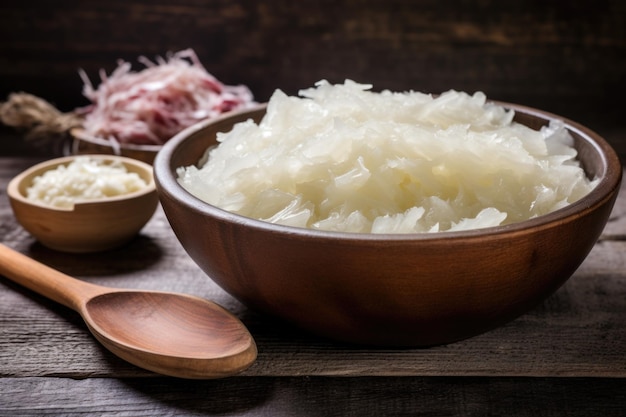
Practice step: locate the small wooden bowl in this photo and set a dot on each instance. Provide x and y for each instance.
(84, 144)
(90, 226)
(393, 290)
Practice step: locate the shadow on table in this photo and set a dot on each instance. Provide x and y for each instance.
(139, 254)
(371, 396)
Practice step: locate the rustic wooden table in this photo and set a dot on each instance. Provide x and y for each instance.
(566, 357)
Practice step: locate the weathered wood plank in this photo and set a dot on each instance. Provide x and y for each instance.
(345, 397)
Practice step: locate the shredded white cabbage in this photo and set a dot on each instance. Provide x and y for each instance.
(83, 179)
(343, 158)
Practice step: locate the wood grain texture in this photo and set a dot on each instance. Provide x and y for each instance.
(168, 333)
(565, 358)
(567, 58)
(313, 396)
(578, 332)
(114, 221)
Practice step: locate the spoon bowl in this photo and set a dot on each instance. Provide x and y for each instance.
(172, 334)
(154, 330)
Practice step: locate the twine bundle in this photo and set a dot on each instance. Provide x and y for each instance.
(43, 125)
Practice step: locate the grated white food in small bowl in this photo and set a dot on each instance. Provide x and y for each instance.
(344, 158)
(82, 180)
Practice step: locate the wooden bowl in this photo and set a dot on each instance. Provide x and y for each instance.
(89, 226)
(389, 290)
(84, 144)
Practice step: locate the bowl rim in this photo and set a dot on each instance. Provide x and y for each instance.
(609, 183)
(13, 188)
(81, 134)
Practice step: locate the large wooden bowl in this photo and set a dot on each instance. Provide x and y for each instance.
(391, 290)
(90, 226)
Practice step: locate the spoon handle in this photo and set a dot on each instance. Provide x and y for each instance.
(46, 281)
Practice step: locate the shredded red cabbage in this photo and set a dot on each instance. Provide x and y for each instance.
(152, 105)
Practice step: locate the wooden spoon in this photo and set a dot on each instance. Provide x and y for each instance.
(172, 334)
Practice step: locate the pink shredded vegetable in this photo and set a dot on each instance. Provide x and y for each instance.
(151, 106)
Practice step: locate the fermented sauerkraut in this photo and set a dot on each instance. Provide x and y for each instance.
(344, 158)
(83, 179)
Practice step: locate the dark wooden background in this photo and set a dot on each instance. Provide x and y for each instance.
(568, 57)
